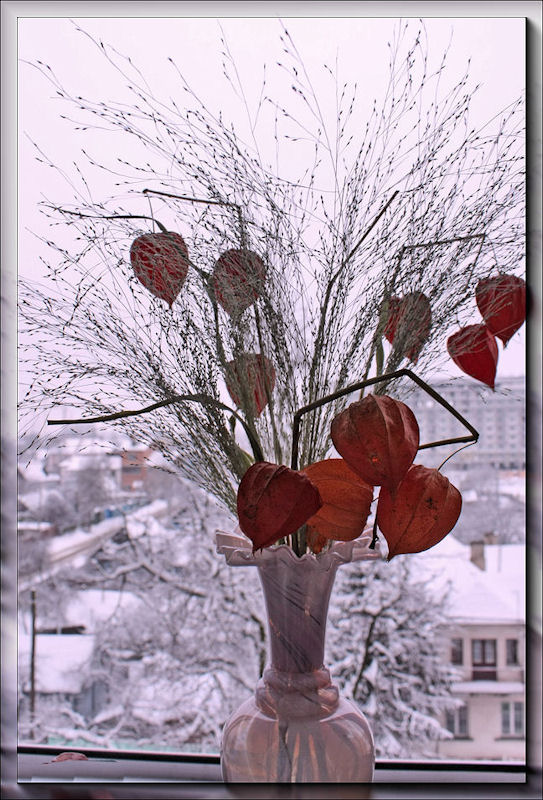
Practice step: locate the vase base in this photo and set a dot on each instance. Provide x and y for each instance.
(257, 748)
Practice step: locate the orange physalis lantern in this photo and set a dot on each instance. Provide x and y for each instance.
(274, 501)
(160, 262)
(502, 303)
(378, 437)
(409, 320)
(474, 350)
(424, 509)
(346, 501)
(237, 280)
(256, 374)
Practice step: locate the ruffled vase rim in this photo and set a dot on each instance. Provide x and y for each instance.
(238, 551)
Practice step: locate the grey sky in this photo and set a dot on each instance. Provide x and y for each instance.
(494, 45)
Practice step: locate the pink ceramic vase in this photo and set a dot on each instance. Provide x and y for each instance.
(296, 728)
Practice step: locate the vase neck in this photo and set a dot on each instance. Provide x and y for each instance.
(297, 596)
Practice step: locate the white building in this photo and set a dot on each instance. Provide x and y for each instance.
(486, 630)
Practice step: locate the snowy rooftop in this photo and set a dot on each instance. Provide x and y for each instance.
(493, 595)
(95, 606)
(60, 661)
(33, 472)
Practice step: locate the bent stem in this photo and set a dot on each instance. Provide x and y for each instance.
(299, 537)
(196, 398)
(206, 202)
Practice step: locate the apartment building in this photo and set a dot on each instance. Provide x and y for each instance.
(499, 416)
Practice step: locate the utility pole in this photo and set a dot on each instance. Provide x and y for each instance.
(32, 661)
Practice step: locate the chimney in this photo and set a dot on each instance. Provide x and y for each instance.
(477, 554)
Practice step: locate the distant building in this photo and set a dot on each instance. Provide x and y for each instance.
(499, 417)
(486, 633)
(134, 466)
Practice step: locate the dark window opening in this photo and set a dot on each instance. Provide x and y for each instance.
(483, 658)
(457, 651)
(511, 650)
(457, 722)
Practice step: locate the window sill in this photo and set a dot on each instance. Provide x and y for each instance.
(123, 771)
(511, 737)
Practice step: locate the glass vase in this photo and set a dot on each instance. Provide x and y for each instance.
(296, 728)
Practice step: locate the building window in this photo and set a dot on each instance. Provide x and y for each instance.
(457, 722)
(511, 652)
(483, 657)
(457, 651)
(513, 719)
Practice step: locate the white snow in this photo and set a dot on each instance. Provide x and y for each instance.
(489, 687)
(33, 471)
(62, 547)
(61, 661)
(93, 606)
(493, 595)
(31, 525)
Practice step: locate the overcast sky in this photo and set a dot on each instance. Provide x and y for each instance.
(494, 45)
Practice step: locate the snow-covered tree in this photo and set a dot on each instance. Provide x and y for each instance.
(181, 655)
(387, 649)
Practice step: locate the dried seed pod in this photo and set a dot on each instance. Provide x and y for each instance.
(408, 324)
(274, 501)
(474, 350)
(502, 303)
(237, 280)
(346, 501)
(424, 509)
(378, 437)
(253, 373)
(160, 262)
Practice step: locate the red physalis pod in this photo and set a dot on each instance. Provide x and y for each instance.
(502, 303)
(423, 511)
(252, 375)
(160, 262)
(389, 313)
(474, 350)
(274, 501)
(346, 502)
(378, 437)
(238, 278)
(408, 323)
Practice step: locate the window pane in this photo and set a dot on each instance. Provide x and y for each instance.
(506, 718)
(449, 721)
(463, 721)
(457, 651)
(511, 651)
(519, 718)
(490, 651)
(477, 651)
